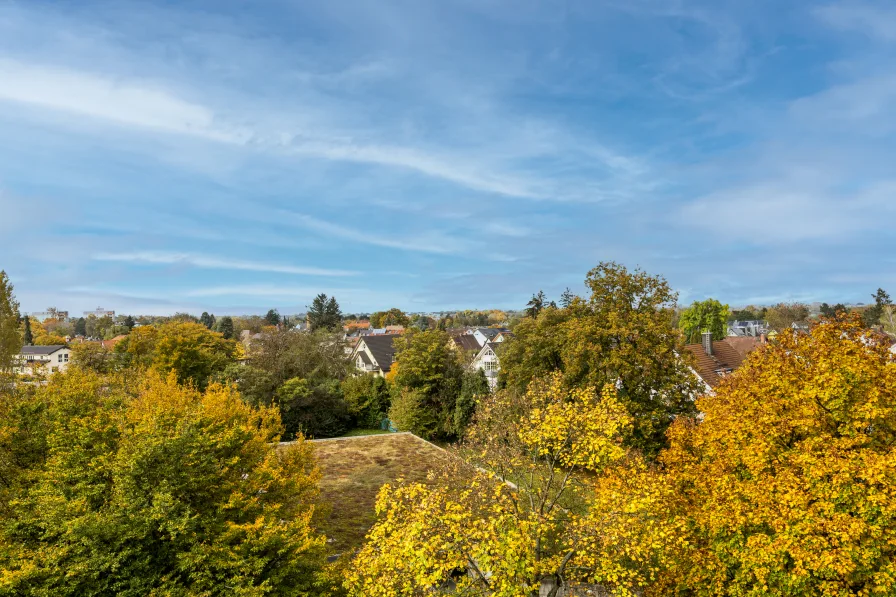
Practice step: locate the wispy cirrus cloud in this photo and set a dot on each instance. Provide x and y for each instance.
(207, 262)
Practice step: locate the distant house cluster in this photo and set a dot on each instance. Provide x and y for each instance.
(372, 350)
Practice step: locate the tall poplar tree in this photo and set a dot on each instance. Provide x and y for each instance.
(10, 340)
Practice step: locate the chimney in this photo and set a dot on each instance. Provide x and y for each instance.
(707, 343)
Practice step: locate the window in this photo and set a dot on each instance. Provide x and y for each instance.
(66, 357)
(59, 358)
(490, 365)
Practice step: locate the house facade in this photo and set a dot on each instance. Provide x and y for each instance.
(43, 359)
(374, 354)
(487, 360)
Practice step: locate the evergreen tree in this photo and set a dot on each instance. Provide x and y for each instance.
(129, 322)
(10, 340)
(272, 317)
(81, 327)
(473, 386)
(566, 298)
(207, 320)
(324, 313)
(536, 304)
(28, 337)
(225, 326)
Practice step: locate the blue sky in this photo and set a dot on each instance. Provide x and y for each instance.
(233, 156)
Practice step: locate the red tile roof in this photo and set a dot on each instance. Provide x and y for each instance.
(727, 356)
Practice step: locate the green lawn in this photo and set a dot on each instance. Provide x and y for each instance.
(357, 432)
(353, 470)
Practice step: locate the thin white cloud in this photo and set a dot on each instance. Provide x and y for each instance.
(862, 18)
(206, 262)
(125, 102)
(251, 290)
(432, 243)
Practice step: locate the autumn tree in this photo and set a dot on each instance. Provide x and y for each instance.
(393, 316)
(192, 351)
(786, 486)
(784, 315)
(324, 313)
(704, 316)
(517, 515)
(427, 382)
(152, 489)
(10, 340)
(93, 356)
(621, 335)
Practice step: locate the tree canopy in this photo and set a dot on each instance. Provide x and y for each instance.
(10, 340)
(704, 316)
(784, 315)
(622, 335)
(394, 316)
(153, 488)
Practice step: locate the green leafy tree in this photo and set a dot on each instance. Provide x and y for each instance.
(129, 322)
(10, 340)
(474, 385)
(622, 336)
(225, 327)
(81, 327)
(367, 399)
(272, 317)
(324, 313)
(153, 488)
(704, 316)
(28, 337)
(312, 409)
(430, 373)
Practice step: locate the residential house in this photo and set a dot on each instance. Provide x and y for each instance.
(485, 335)
(714, 359)
(110, 344)
(502, 336)
(747, 328)
(48, 359)
(465, 343)
(374, 354)
(487, 360)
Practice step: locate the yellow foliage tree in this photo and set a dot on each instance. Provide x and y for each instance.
(788, 485)
(512, 509)
(152, 488)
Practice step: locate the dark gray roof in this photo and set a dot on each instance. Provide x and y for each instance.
(467, 342)
(382, 350)
(364, 357)
(41, 350)
(489, 332)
